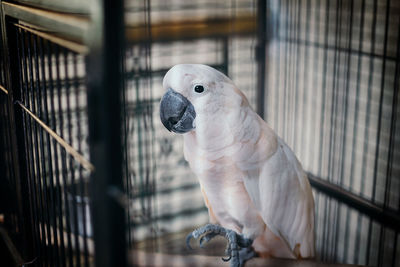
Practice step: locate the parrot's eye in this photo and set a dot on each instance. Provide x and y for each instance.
(199, 89)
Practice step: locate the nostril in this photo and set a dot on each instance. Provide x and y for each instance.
(173, 120)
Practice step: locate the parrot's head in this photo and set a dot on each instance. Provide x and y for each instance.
(194, 90)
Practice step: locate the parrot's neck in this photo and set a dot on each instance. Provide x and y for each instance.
(216, 131)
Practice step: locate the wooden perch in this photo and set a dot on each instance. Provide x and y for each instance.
(141, 258)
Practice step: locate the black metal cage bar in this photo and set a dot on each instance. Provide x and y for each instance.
(47, 90)
(105, 80)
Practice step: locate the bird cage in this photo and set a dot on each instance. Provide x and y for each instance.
(90, 176)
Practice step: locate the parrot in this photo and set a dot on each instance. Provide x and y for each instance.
(257, 194)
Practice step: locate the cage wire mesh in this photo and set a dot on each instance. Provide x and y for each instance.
(52, 99)
(332, 85)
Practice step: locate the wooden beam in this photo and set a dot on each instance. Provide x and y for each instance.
(71, 45)
(192, 29)
(71, 6)
(71, 26)
(75, 26)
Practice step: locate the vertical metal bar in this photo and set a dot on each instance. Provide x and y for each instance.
(126, 159)
(358, 82)
(292, 86)
(289, 68)
(323, 98)
(334, 100)
(315, 65)
(278, 67)
(261, 55)
(342, 142)
(150, 183)
(296, 86)
(105, 73)
(393, 136)
(39, 249)
(53, 212)
(29, 152)
(63, 154)
(79, 135)
(285, 75)
(366, 132)
(306, 92)
(56, 160)
(140, 145)
(343, 148)
(35, 146)
(382, 86)
(225, 57)
(322, 122)
(71, 168)
(346, 93)
(44, 175)
(20, 135)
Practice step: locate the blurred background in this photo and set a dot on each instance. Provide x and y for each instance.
(88, 173)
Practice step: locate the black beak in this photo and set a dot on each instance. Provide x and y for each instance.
(176, 112)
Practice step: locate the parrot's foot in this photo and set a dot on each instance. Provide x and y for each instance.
(246, 254)
(238, 249)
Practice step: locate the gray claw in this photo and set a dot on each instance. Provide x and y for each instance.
(188, 238)
(227, 259)
(206, 238)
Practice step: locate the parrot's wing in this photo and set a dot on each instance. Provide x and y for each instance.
(282, 194)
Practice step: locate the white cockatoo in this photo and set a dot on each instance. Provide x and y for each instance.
(257, 194)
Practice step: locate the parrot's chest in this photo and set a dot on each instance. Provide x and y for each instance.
(227, 196)
(221, 181)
